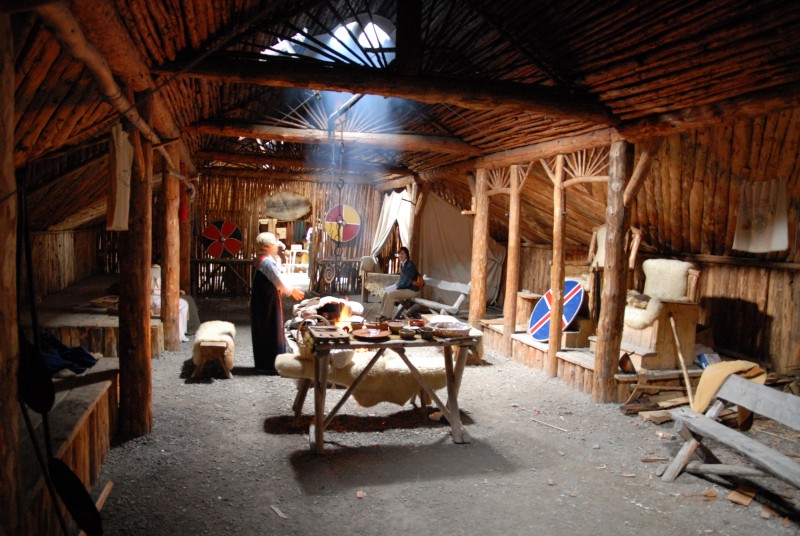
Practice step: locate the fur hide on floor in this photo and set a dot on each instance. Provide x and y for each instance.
(215, 331)
(389, 380)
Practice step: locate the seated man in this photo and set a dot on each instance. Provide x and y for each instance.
(155, 302)
(404, 288)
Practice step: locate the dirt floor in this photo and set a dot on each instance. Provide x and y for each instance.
(225, 457)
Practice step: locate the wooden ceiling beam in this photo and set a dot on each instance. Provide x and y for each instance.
(429, 89)
(524, 155)
(402, 182)
(104, 28)
(219, 171)
(397, 142)
(293, 161)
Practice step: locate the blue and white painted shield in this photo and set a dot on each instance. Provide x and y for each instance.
(539, 326)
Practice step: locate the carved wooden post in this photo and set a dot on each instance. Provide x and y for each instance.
(557, 270)
(9, 349)
(615, 276)
(186, 222)
(135, 389)
(171, 260)
(512, 262)
(480, 243)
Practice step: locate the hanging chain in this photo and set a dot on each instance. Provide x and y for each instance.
(340, 185)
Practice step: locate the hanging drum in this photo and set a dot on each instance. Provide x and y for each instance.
(342, 223)
(222, 239)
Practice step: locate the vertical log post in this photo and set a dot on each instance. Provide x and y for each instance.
(615, 276)
(480, 256)
(171, 260)
(512, 263)
(9, 349)
(186, 223)
(135, 389)
(557, 269)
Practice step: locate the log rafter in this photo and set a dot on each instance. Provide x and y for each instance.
(404, 142)
(470, 94)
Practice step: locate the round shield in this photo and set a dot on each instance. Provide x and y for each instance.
(342, 223)
(539, 326)
(222, 239)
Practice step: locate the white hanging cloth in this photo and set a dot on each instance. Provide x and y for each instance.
(762, 224)
(396, 207)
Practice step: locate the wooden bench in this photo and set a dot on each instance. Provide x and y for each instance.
(462, 289)
(692, 426)
(83, 421)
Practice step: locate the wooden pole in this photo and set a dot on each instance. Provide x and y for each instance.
(135, 382)
(9, 349)
(480, 256)
(186, 221)
(615, 276)
(557, 269)
(512, 262)
(171, 260)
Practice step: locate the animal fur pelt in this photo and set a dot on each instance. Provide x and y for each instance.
(389, 380)
(216, 331)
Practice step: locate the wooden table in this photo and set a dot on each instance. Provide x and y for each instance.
(320, 353)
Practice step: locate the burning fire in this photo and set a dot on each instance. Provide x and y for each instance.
(343, 321)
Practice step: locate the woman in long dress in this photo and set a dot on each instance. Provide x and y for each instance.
(266, 311)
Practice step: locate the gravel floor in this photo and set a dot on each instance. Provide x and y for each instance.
(225, 457)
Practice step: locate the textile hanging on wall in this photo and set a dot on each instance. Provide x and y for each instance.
(396, 207)
(762, 224)
(120, 163)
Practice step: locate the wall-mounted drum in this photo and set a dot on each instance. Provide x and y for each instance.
(342, 223)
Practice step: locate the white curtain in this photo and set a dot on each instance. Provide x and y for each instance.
(445, 250)
(396, 207)
(762, 223)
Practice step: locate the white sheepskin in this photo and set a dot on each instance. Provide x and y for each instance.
(641, 318)
(666, 279)
(389, 380)
(216, 331)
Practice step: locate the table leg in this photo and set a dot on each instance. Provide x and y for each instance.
(320, 386)
(458, 434)
(461, 362)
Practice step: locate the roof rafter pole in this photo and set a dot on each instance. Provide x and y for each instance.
(523, 155)
(399, 142)
(290, 161)
(62, 23)
(512, 260)
(103, 26)
(749, 105)
(9, 351)
(480, 256)
(430, 89)
(282, 175)
(615, 275)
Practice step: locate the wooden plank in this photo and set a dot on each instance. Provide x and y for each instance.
(772, 461)
(765, 401)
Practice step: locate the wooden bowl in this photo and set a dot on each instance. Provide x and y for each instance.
(395, 327)
(408, 334)
(417, 322)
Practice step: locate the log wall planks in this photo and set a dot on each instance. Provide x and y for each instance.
(61, 259)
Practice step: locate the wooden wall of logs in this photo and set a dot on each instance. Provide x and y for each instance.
(60, 259)
(243, 201)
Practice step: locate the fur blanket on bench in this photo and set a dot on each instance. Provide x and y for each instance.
(215, 331)
(389, 380)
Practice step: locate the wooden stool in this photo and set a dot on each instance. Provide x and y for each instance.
(212, 351)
